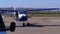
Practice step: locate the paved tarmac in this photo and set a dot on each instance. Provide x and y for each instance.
(36, 30)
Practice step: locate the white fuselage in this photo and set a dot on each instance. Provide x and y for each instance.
(21, 16)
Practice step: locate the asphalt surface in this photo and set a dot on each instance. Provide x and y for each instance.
(37, 21)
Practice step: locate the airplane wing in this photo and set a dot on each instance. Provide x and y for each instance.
(42, 9)
(25, 10)
(30, 9)
(7, 10)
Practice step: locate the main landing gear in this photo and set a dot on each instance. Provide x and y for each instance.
(25, 24)
(12, 27)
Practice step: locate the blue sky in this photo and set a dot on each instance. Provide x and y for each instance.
(31, 3)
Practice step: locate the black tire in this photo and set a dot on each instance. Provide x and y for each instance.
(28, 24)
(12, 26)
(23, 24)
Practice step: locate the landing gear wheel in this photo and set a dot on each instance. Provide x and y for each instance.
(12, 26)
(28, 24)
(23, 24)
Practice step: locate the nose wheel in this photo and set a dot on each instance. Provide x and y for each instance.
(25, 24)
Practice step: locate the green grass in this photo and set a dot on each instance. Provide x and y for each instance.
(38, 15)
(41, 14)
(45, 15)
(44, 12)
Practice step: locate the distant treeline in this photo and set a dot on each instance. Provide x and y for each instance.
(44, 12)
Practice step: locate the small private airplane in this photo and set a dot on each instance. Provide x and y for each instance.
(4, 29)
(21, 14)
(22, 17)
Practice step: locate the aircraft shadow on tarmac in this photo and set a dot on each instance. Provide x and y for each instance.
(34, 25)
